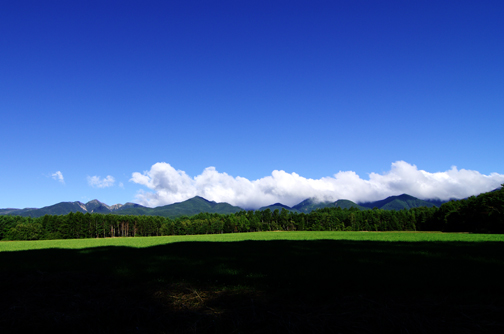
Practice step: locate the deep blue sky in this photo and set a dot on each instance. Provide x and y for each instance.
(97, 88)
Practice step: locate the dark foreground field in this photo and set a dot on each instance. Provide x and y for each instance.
(283, 286)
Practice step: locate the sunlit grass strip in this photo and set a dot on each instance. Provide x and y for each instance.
(140, 242)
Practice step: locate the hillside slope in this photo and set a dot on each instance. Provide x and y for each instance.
(400, 202)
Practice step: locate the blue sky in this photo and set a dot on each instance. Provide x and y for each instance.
(399, 90)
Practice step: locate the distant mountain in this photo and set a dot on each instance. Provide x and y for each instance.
(131, 209)
(346, 204)
(191, 207)
(438, 202)
(277, 206)
(400, 202)
(310, 204)
(63, 208)
(11, 210)
(198, 204)
(96, 206)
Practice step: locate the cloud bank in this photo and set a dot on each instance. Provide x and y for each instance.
(97, 182)
(169, 186)
(58, 176)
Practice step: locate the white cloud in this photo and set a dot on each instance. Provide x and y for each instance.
(58, 176)
(170, 185)
(121, 185)
(97, 182)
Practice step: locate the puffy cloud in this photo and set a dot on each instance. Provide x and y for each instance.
(58, 176)
(169, 186)
(97, 182)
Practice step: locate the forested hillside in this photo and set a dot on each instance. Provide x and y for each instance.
(199, 204)
(400, 202)
(189, 207)
(479, 214)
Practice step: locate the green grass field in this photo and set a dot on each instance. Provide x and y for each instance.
(294, 282)
(140, 242)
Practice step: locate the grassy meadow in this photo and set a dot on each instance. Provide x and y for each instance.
(140, 242)
(293, 282)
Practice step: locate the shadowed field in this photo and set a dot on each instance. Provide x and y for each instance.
(257, 286)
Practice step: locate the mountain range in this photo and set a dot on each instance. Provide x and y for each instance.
(198, 204)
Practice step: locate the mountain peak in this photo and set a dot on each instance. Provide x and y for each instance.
(311, 204)
(404, 196)
(276, 206)
(94, 201)
(201, 198)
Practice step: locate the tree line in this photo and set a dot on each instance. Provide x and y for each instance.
(477, 214)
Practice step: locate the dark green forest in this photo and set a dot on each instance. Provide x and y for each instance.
(477, 214)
